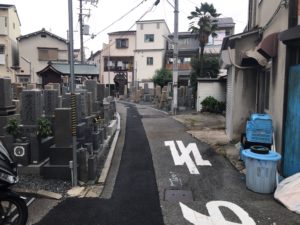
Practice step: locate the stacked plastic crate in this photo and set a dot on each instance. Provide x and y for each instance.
(259, 131)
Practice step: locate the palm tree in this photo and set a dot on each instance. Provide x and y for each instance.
(203, 25)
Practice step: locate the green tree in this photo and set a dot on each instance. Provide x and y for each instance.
(203, 24)
(210, 69)
(162, 77)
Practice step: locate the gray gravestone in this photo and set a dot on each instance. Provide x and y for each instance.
(91, 86)
(106, 109)
(89, 103)
(82, 103)
(146, 88)
(100, 92)
(106, 92)
(31, 106)
(6, 93)
(63, 127)
(51, 102)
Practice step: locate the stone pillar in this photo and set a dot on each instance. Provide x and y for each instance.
(7, 108)
(100, 92)
(31, 106)
(6, 93)
(91, 86)
(51, 102)
(63, 127)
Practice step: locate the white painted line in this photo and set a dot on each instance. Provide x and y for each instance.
(185, 157)
(216, 217)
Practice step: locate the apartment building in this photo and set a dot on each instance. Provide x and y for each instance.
(151, 45)
(9, 31)
(117, 57)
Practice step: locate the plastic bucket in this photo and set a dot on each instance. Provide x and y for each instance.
(261, 171)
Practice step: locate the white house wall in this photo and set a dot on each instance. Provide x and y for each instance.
(144, 71)
(28, 49)
(155, 49)
(277, 81)
(244, 100)
(215, 89)
(10, 42)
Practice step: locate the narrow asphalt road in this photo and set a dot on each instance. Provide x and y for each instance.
(135, 199)
(165, 176)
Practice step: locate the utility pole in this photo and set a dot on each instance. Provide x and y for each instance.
(175, 58)
(73, 165)
(81, 32)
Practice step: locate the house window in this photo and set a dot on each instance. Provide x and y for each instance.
(149, 61)
(2, 49)
(122, 43)
(3, 25)
(149, 37)
(24, 79)
(2, 55)
(48, 54)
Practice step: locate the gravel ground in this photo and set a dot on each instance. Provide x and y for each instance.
(35, 183)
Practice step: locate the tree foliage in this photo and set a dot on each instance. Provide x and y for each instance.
(204, 24)
(162, 77)
(210, 69)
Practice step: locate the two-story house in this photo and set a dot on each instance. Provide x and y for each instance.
(188, 48)
(150, 49)
(264, 75)
(116, 66)
(36, 50)
(9, 31)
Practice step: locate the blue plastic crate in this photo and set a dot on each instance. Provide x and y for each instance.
(259, 128)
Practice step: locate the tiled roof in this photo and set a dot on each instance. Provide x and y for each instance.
(42, 31)
(79, 69)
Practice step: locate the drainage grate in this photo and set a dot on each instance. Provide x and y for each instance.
(178, 196)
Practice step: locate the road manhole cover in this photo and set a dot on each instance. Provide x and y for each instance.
(178, 196)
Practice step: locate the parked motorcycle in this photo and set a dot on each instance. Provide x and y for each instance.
(13, 208)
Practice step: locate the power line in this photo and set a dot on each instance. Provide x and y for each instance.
(144, 14)
(131, 10)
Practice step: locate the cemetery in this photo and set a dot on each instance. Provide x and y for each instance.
(36, 124)
(36, 128)
(160, 97)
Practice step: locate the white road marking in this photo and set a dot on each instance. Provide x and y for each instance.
(185, 157)
(216, 217)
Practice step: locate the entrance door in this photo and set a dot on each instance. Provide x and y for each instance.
(291, 160)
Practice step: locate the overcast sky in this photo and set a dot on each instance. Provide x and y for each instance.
(53, 16)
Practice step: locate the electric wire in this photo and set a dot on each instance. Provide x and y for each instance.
(144, 14)
(131, 10)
